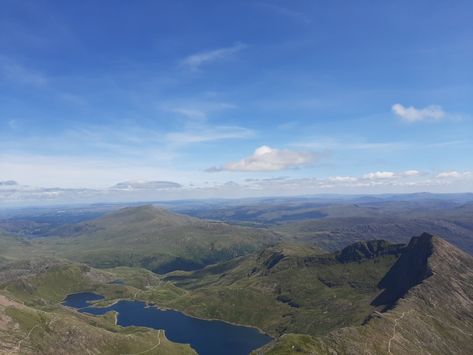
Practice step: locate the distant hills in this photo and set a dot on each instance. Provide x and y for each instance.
(150, 237)
(336, 232)
(328, 221)
(335, 222)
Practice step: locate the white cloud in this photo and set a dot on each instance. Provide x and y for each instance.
(266, 158)
(84, 172)
(453, 174)
(411, 114)
(148, 190)
(195, 61)
(342, 178)
(146, 185)
(380, 175)
(411, 173)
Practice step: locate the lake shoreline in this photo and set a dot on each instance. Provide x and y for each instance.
(150, 304)
(211, 336)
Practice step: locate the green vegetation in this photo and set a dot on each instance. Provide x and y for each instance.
(154, 239)
(434, 316)
(371, 296)
(333, 223)
(32, 331)
(282, 289)
(33, 321)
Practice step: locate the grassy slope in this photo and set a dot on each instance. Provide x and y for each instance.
(299, 293)
(60, 331)
(32, 320)
(284, 289)
(155, 239)
(12, 247)
(434, 317)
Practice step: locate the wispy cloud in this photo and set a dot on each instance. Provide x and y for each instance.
(452, 174)
(197, 60)
(124, 139)
(13, 124)
(266, 158)
(96, 155)
(412, 114)
(321, 143)
(189, 112)
(146, 185)
(384, 175)
(90, 172)
(284, 11)
(207, 134)
(342, 179)
(159, 190)
(17, 73)
(198, 110)
(412, 173)
(380, 175)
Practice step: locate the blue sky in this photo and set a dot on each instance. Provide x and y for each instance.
(235, 98)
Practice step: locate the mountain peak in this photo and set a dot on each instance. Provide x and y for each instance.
(426, 307)
(144, 214)
(424, 256)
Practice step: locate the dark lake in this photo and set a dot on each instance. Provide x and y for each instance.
(207, 337)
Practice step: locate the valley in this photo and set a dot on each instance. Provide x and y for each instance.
(307, 294)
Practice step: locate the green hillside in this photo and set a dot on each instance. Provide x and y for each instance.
(155, 239)
(32, 320)
(426, 307)
(287, 288)
(370, 296)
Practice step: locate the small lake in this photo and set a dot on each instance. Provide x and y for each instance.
(207, 337)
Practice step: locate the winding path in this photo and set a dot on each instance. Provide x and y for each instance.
(154, 347)
(396, 321)
(25, 338)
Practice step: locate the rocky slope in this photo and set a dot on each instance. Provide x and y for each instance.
(288, 288)
(425, 307)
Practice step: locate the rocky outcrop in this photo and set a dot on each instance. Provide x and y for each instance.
(425, 307)
(410, 269)
(368, 250)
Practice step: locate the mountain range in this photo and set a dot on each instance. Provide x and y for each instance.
(370, 296)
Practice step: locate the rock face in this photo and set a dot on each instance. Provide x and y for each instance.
(410, 269)
(425, 307)
(268, 258)
(368, 250)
